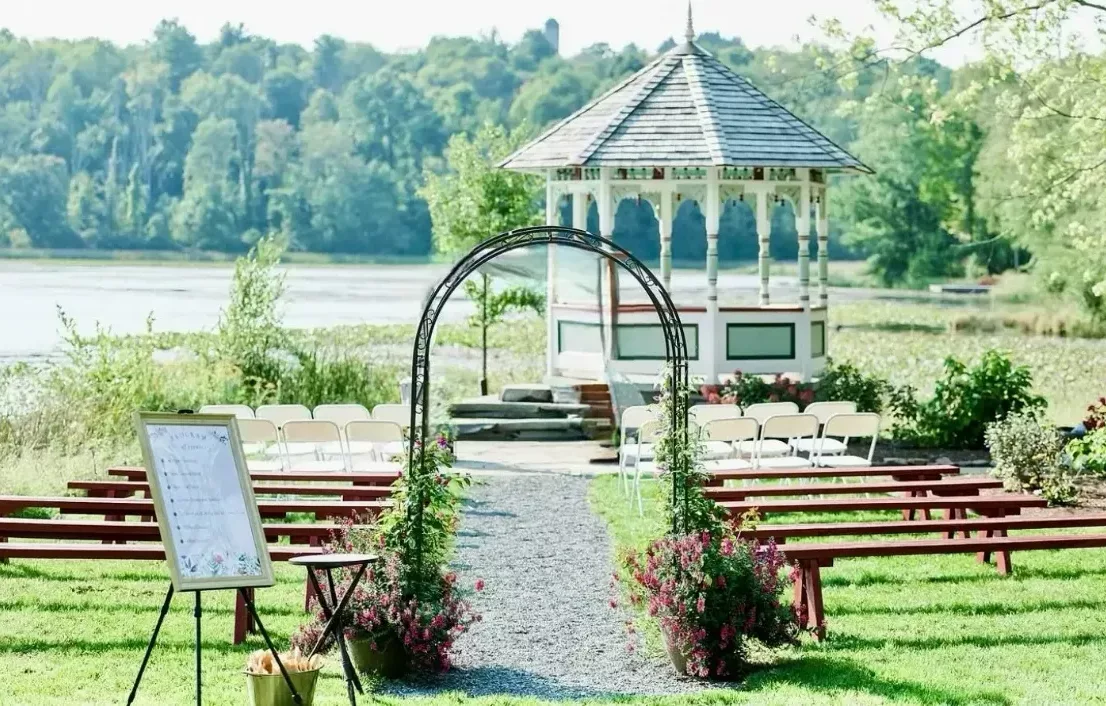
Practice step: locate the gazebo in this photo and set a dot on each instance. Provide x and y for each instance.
(687, 127)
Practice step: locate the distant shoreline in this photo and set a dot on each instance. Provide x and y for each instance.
(196, 257)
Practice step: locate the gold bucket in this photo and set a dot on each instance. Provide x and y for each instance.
(271, 690)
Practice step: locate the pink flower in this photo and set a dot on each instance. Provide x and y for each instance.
(479, 585)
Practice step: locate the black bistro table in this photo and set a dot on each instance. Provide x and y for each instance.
(335, 624)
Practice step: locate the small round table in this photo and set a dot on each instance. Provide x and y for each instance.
(333, 612)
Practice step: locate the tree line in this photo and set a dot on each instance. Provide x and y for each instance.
(176, 144)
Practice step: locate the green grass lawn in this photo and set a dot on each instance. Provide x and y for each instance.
(917, 630)
(929, 630)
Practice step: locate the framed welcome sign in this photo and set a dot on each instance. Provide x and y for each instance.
(204, 500)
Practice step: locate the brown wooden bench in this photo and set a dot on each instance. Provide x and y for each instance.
(243, 624)
(143, 531)
(780, 533)
(351, 477)
(144, 507)
(126, 489)
(947, 486)
(810, 558)
(990, 505)
(933, 472)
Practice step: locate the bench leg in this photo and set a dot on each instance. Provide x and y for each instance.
(243, 621)
(3, 559)
(817, 616)
(1003, 561)
(798, 594)
(985, 557)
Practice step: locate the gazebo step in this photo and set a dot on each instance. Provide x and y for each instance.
(490, 407)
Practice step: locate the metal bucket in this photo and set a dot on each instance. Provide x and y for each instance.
(271, 690)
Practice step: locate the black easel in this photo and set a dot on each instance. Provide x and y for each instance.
(198, 613)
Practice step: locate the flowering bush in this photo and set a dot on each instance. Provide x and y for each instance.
(385, 612)
(1096, 415)
(753, 389)
(409, 598)
(711, 593)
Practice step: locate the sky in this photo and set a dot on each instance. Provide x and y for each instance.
(393, 25)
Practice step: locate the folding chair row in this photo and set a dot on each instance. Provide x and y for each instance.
(703, 413)
(340, 414)
(752, 446)
(779, 441)
(318, 439)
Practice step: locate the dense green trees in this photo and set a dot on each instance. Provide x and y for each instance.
(175, 144)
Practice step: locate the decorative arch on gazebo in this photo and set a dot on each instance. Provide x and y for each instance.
(485, 252)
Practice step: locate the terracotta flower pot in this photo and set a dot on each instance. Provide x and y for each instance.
(271, 689)
(388, 659)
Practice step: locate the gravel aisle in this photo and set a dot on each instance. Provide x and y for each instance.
(548, 629)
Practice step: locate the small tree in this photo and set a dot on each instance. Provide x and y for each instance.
(474, 201)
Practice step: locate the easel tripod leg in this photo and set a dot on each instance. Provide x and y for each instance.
(150, 647)
(198, 613)
(268, 641)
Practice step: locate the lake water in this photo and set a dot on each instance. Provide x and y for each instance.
(190, 297)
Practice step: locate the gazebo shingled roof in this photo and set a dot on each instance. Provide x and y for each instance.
(686, 109)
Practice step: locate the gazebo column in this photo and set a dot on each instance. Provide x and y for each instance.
(802, 224)
(708, 348)
(666, 218)
(552, 218)
(606, 207)
(764, 230)
(822, 224)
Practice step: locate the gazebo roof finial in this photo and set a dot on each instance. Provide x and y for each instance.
(689, 33)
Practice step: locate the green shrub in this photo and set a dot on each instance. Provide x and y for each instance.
(250, 335)
(1089, 453)
(321, 377)
(1028, 456)
(846, 382)
(964, 402)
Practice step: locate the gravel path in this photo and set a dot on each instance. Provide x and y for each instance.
(548, 630)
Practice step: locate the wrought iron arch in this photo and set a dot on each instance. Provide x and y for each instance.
(674, 339)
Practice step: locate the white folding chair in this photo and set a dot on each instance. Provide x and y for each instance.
(730, 432)
(381, 440)
(786, 427)
(240, 411)
(316, 434)
(632, 419)
(340, 414)
(763, 410)
(398, 413)
(858, 425)
(643, 454)
(279, 414)
(703, 414)
(260, 438)
(822, 445)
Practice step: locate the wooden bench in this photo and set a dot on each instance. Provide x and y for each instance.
(143, 531)
(948, 486)
(990, 505)
(127, 489)
(243, 624)
(933, 472)
(990, 525)
(810, 558)
(383, 477)
(144, 507)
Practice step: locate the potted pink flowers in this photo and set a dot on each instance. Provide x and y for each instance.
(711, 594)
